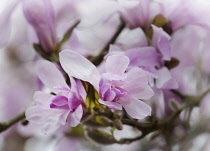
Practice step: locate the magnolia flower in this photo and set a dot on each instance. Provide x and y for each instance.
(138, 13)
(40, 15)
(116, 87)
(52, 111)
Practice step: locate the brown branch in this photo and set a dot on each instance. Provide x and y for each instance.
(130, 140)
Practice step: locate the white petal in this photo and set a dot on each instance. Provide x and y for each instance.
(42, 99)
(79, 67)
(117, 64)
(136, 108)
(50, 75)
(137, 84)
(164, 76)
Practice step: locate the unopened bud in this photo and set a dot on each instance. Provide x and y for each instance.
(103, 120)
(118, 124)
(100, 137)
(40, 14)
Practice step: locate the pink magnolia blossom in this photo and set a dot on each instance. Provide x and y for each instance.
(117, 88)
(138, 13)
(43, 21)
(53, 111)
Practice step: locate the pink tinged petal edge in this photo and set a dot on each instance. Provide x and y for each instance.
(161, 41)
(81, 90)
(111, 105)
(136, 108)
(137, 84)
(165, 48)
(79, 67)
(143, 56)
(117, 64)
(74, 118)
(78, 88)
(59, 102)
(74, 87)
(50, 75)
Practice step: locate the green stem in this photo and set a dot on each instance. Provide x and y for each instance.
(5, 125)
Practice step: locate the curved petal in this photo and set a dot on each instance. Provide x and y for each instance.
(111, 105)
(50, 75)
(136, 108)
(59, 102)
(143, 56)
(40, 14)
(165, 80)
(79, 67)
(81, 90)
(75, 117)
(161, 40)
(137, 84)
(165, 48)
(48, 119)
(42, 99)
(117, 64)
(39, 115)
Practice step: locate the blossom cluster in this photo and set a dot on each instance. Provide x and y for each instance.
(108, 63)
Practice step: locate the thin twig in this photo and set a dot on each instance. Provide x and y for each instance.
(5, 125)
(130, 140)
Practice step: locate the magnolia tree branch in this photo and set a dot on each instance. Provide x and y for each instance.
(130, 140)
(145, 128)
(5, 125)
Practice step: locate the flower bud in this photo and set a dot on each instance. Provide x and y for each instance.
(40, 15)
(118, 124)
(100, 137)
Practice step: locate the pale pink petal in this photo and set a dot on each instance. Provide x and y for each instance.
(74, 87)
(137, 84)
(132, 39)
(49, 119)
(161, 41)
(40, 14)
(136, 108)
(81, 89)
(42, 99)
(117, 64)
(143, 56)
(50, 75)
(165, 79)
(111, 105)
(165, 48)
(79, 67)
(75, 117)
